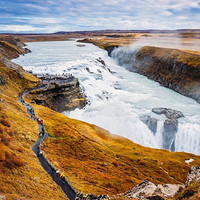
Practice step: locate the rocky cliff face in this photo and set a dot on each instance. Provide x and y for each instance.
(60, 96)
(11, 47)
(172, 68)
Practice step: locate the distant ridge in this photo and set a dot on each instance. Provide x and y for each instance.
(108, 31)
(130, 31)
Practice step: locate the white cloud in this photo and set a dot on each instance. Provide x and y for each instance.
(19, 28)
(70, 15)
(45, 21)
(34, 6)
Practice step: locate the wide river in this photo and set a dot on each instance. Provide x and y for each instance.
(117, 97)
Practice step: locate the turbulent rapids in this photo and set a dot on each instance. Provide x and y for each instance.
(117, 98)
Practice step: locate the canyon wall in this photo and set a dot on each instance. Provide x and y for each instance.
(172, 68)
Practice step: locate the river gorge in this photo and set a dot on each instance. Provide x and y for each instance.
(118, 100)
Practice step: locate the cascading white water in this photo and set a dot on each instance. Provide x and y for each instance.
(117, 97)
(187, 138)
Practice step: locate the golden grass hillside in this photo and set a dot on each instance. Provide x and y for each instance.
(21, 175)
(94, 161)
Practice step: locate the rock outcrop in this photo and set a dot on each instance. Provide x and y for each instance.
(193, 175)
(110, 48)
(60, 96)
(147, 190)
(169, 113)
(11, 47)
(2, 197)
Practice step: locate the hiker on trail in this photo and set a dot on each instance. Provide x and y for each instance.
(40, 134)
(28, 110)
(32, 111)
(62, 178)
(39, 152)
(57, 172)
(39, 121)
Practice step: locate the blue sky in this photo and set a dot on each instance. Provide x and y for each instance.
(48, 16)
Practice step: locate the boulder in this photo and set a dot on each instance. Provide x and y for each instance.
(148, 190)
(193, 175)
(169, 113)
(145, 188)
(167, 190)
(2, 197)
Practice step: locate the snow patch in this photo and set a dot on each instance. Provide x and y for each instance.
(190, 160)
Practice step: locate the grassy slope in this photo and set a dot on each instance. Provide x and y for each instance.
(20, 172)
(95, 161)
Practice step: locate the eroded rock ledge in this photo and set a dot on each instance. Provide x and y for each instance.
(60, 97)
(11, 47)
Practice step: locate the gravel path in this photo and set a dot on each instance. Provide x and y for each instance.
(61, 181)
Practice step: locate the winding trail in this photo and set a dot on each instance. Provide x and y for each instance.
(61, 181)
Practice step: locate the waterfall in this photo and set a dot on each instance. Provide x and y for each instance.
(117, 97)
(158, 135)
(125, 56)
(188, 138)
